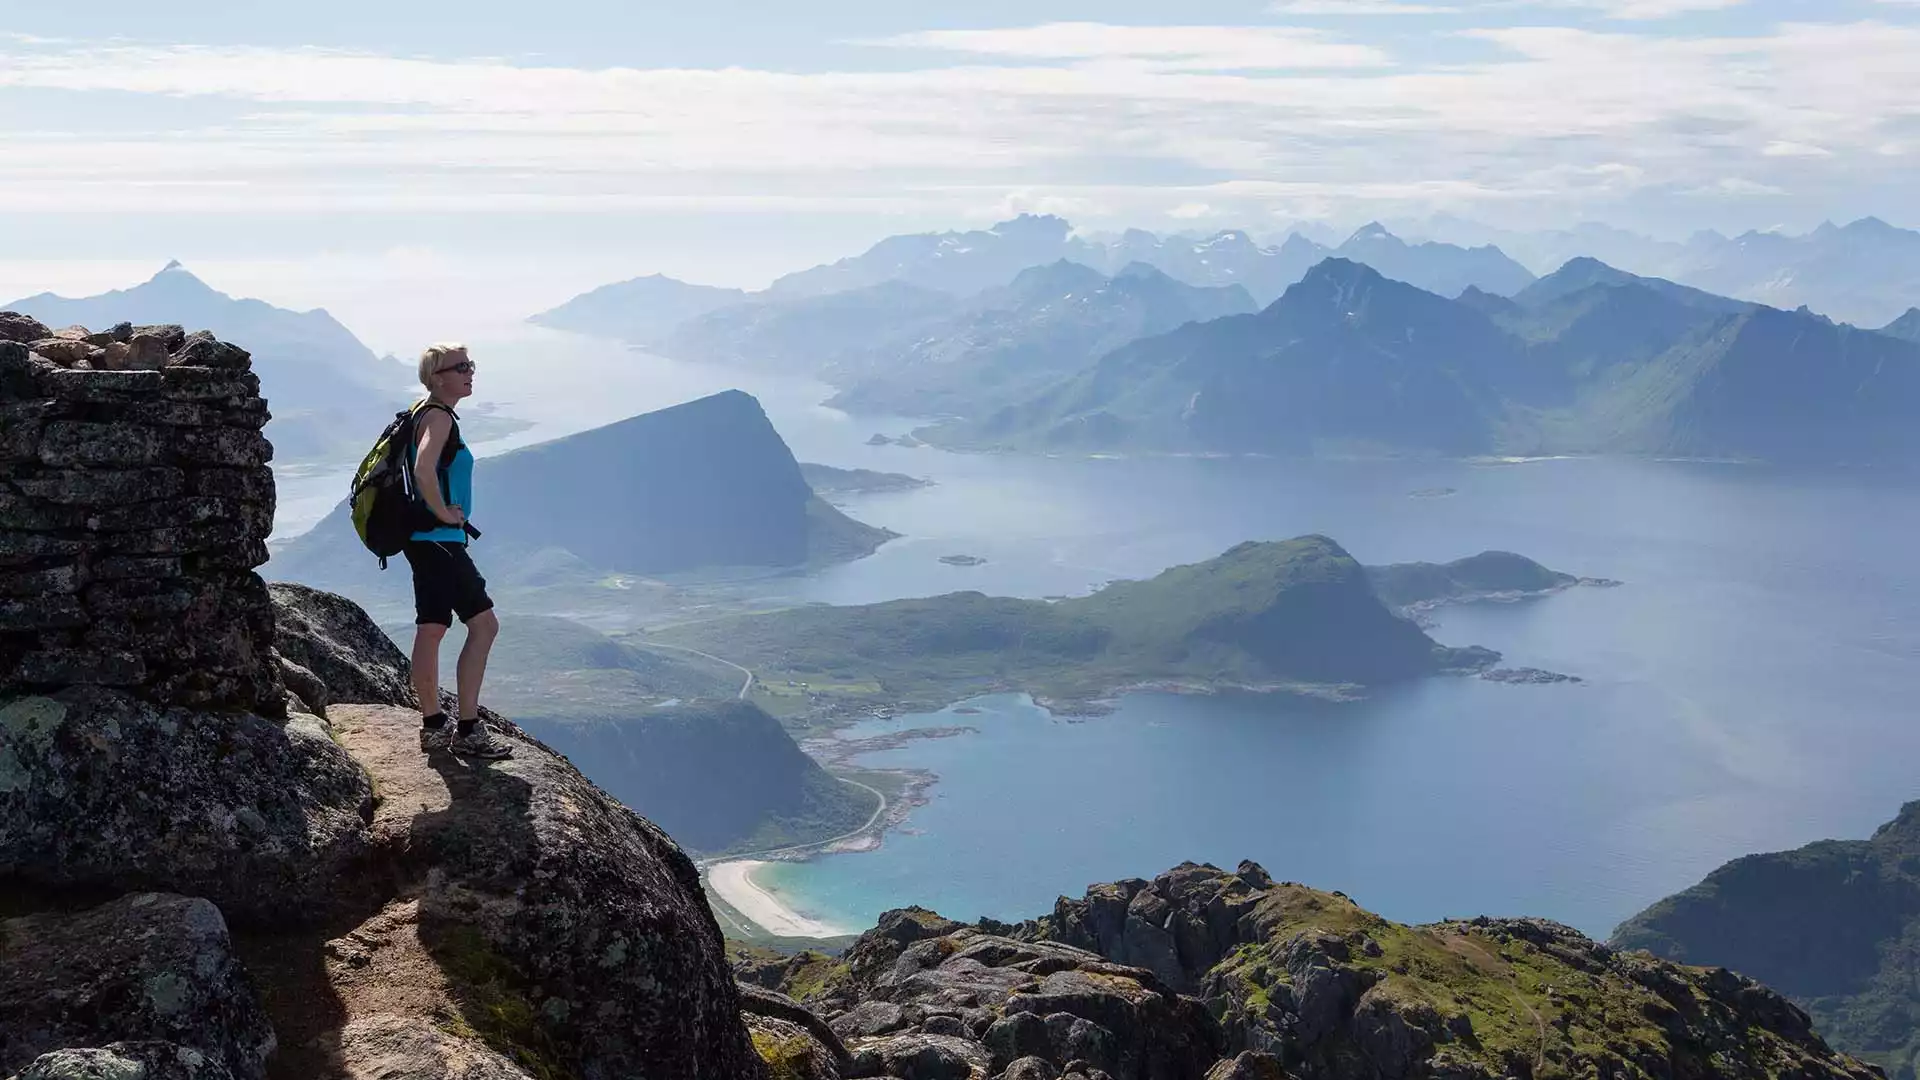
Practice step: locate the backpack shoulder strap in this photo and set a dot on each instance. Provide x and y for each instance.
(454, 442)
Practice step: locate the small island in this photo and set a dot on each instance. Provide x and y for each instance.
(1489, 577)
(963, 560)
(1527, 676)
(1298, 616)
(830, 480)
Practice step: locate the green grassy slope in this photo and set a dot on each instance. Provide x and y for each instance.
(1835, 925)
(1405, 584)
(1297, 612)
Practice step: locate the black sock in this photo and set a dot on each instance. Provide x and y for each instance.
(466, 726)
(435, 722)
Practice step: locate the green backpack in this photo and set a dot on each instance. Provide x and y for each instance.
(386, 509)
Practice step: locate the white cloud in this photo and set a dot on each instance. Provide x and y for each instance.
(1738, 186)
(1101, 121)
(1188, 48)
(1612, 9)
(1639, 9)
(1360, 7)
(1793, 149)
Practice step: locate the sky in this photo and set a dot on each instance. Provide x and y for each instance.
(404, 164)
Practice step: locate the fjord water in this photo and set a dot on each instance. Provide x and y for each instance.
(1750, 687)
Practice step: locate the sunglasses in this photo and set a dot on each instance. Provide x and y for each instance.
(464, 367)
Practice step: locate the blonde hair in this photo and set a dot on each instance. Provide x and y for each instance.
(436, 357)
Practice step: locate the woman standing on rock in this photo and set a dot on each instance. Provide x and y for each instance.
(445, 581)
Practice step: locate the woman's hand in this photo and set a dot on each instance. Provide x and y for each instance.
(454, 517)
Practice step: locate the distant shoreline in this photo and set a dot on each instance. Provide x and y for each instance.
(733, 882)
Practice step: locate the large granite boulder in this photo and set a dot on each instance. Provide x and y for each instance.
(919, 1056)
(149, 968)
(340, 644)
(415, 1048)
(126, 1061)
(592, 920)
(1177, 926)
(791, 1050)
(104, 790)
(22, 328)
(920, 995)
(1249, 1066)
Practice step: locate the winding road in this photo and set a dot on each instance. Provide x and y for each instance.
(801, 849)
(745, 687)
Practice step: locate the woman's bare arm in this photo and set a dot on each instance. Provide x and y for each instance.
(436, 427)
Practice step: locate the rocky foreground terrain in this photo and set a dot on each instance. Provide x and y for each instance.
(1228, 975)
(223, 856)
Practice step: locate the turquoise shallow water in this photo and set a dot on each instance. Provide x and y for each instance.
(1750, 688)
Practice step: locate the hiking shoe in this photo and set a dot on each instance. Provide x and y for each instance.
(481, 743)
(433, 740)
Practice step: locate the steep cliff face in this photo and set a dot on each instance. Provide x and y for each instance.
(209, 792)
(708, 483)
(719, 775)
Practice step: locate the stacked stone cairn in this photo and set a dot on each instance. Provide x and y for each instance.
(135, 502)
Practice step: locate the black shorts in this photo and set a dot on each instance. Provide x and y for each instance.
(445, 583)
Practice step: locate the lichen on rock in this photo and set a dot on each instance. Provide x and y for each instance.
(148, 967)
(100, 789)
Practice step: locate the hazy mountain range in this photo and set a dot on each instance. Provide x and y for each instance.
(322, 384)
(1051, 321)
(1587, 360)
(958, 265)
(1026, 336)
(639, 310)
(1866, 272)
(900, 348)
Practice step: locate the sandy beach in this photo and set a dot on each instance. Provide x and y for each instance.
(733, 882)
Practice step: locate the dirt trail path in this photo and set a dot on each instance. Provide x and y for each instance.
(364, 997)
(1473, 952)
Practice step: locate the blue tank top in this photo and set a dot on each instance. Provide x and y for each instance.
(457, 491)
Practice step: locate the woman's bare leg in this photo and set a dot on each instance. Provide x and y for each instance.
(481, 630)
(426, 666)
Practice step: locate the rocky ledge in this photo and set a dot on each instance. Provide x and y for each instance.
(223, 854)
(1227, 975)
(397, 914)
